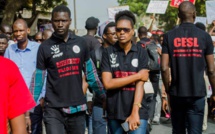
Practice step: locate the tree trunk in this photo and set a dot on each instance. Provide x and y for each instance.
(10, 10)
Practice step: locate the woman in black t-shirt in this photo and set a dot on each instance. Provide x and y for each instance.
(124, 71)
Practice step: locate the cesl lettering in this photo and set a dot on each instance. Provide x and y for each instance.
(186, 42)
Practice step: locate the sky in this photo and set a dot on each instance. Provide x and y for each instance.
(88, 8)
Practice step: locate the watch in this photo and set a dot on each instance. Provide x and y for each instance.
(138, 104)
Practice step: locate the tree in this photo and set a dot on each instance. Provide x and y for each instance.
(169, 19)
(136, 6)
(12, 6)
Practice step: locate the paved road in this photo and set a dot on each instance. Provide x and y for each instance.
(165, 128)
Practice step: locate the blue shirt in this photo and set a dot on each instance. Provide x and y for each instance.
(25, 60)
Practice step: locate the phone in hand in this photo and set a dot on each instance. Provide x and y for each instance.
(125, 126)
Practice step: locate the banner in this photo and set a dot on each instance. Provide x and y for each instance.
(113, 10)
(157, 7)
(210, 11)
(176, 3)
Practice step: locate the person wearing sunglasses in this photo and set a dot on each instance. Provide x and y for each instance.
(124, 71)
(39, 37)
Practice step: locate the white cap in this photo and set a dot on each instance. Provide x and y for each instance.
(149, 34)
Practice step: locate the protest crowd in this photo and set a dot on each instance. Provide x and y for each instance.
(107, 81)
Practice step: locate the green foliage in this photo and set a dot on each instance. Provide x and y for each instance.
(136, 6)
(169, 19)
(50, 3)
(44, 5)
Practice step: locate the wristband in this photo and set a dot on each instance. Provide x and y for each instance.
(27, 117)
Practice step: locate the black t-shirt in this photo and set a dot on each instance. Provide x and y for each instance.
(114, 60)
(64, 62)
(187, 47)
(92, 42)
(143, 42)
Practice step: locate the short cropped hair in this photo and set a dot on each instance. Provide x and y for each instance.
(3, 36)
(111, 24)
(200, 25)
(142, 31)
(61, 8)
(125, 15)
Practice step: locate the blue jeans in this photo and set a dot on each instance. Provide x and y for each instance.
(187, 113)
(99, 124)
(116, 128)
(36, 120)
(58, 122)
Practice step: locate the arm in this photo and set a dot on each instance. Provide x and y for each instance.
(151, 24)
(212, 29)
(165, 77)
(43, 93)
(37, 83)
(134, 119)
(211, 74)
(18, 125)
(165, 71)
(84, 84)
(159, 51)
(93, 79)
(114, 83)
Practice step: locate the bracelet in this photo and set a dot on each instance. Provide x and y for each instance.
(27, 117)
(138, 104)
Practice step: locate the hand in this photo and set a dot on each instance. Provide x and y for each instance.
(104, 109)
(164, 105)
(133, 121)
(28, 123)
(159, 50)
(42, 102)
(212, 101)
(104, 104)
(213, 22)
(89, 107)
(144, 75)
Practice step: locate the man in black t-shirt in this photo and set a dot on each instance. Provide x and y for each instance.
(91, 26)
(64, 56)
(142, 34)
(188, 51)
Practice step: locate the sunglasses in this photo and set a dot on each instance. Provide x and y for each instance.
(111, 33)
(38, 40)
(126, 30)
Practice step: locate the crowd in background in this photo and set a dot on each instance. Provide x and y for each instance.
(107, 81)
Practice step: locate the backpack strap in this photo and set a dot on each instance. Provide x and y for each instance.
(98, 54)
(144, 43)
